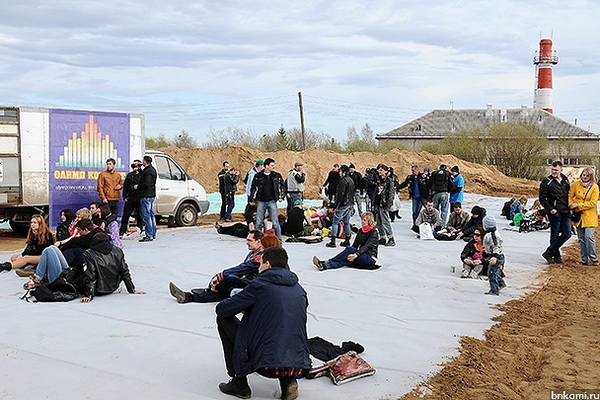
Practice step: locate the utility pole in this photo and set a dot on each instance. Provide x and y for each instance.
(302, 120)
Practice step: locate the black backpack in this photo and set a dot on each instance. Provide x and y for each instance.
(59, 290)
(506, 208)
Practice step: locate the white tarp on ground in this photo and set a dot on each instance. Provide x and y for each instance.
(408, 315)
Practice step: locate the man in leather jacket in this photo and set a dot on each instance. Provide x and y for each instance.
(104, 268)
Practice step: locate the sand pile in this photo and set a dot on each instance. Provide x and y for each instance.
(204, 164)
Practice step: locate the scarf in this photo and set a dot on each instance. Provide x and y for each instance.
(586, 184)
(367, 228)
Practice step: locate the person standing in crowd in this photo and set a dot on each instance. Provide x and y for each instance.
(271, 339)
(295, 184)
(358, 187)
(583, 198)
(131, 198)
(344, 204)
(554, 196)
(110, 184)
(147, 193)
(258, 166)
(267, 189)
(231, 178)
(330, 185)
(458, 186)
(418, 190)
(221, 176)
(369, 184)
(382, 203)
(441, 185)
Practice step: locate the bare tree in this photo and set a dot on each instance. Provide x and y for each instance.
(517, 150)
(185, 140)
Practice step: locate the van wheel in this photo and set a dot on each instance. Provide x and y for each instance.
(187, 215)
(19, 227)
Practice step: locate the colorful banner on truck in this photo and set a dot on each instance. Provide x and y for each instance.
(80, 144)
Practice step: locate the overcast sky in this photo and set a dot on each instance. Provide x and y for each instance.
(197, 65)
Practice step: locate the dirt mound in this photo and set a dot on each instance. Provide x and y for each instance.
(204, 164)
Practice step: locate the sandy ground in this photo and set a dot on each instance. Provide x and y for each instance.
(547, 340)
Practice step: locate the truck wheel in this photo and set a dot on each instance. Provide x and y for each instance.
(19, 227)
(186, 215)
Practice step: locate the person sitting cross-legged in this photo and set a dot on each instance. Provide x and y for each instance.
(271, 339)
(363, 252)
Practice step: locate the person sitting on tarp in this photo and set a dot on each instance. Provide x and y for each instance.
(298, 223)
(221, 285)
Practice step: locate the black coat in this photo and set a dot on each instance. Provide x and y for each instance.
(258, 185)
(333, 178)
(147, 185)
(441, 181)
(129, 193)
(272, 332)
(345, 192)
(554, 195)
(105, 268)
(367, 242)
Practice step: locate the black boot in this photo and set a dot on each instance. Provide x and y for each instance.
(289, 388)
(331, 243)
(5, 266)
(346, 242)
(237, 386)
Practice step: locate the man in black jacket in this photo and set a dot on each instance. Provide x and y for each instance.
(222, 190)
(131, 198)
(104, 269)
(344, 203)
(267, 189)
(382, 203)
(554, 197)
(147, 192)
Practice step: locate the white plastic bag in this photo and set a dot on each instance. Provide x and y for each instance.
(425, 231)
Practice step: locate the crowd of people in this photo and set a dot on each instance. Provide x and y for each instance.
(86, 250)
(271, 337)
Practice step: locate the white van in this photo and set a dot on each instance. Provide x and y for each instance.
(177, 195)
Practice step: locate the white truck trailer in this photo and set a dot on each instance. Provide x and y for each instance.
(50, 160)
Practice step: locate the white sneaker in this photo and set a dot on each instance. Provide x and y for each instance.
(464, 274)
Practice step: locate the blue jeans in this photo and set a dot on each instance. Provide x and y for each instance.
(442, 204)
(342, 214)
(384, 224)
(52, 262)
(417, 204)
(149, 220)
(339, 261)
(496, 281)
(230, 206)
(560, 232)
(261, 207)
(587, 244)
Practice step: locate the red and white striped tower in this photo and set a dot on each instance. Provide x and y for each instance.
(543, 76)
